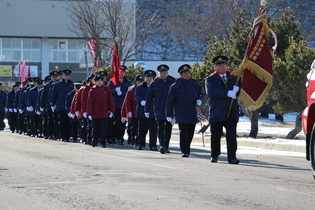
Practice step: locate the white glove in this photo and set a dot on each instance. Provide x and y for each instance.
(53, 108)
(21, 111)
(77, 113)
(69, 114)
(15, 110)
(90, 117)
(118, 89)
(123, 119)
(198, 102)
(30, 108)
(41, 109)
(84, 114)
(130, 114)
(5, 110)
(169, 119)
(10, 110)
(119, 93)
(110, 114)
(72, 116)
(147, 114)
(236, 89)
(231, 94)
(38, 112)
(142, 103)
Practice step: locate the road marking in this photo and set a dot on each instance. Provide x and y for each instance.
(158, 165)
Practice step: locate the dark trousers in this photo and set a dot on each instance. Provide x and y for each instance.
(146, 125)
(164, 132)
(64, 125)
(56, 124)
(2, 124)
(134, 131)
(34, 124)
(74, 130)
(21, 118)
(89, 131)
(99, 130)
(216, 133)
(83, 127)
(118, 126)
(51, 131)
(110, 134)
(45, 124)
(13, 120)
(186, 134)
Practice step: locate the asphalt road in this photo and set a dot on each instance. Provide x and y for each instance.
(45, 174)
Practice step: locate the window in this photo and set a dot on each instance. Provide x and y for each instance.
(18, 49)
(61, 50)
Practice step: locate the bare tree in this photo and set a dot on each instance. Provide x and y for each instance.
(105, 20)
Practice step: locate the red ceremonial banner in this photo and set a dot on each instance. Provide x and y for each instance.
(115, 67)
(256, 68)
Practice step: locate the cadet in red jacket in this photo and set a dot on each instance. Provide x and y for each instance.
(100, 107)
(128, 112)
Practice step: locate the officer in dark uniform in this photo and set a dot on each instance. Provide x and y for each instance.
(23, 106)
(3, 98)
(42, 111)
(12, 116)
(20, 116)
(183, 97)
(45, 106)
(31, 105)
(119, 93)
(146, 120)
(73, 118)
(221, 89)
(157, 94)
(58, 101)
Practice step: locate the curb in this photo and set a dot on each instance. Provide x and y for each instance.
(266, 144)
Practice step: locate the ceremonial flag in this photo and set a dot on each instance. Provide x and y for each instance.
(92, 46)
(22, 70)
(17, 68)
(115, 67)
(256, 67)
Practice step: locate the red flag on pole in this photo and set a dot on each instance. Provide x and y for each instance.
(22, 70)
(256, 68)
(115, 66)
(92, 46)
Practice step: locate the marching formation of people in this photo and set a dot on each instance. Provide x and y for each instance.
(99, 112)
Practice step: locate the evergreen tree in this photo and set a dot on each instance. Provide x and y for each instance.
(285, 27)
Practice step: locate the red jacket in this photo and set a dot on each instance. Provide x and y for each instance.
(100, 102)
(84, 98)
(130, 103)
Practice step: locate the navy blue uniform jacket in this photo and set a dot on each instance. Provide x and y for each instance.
(32, 99)
(123, 88)
(3, 99)
(181, 100)
(10, 99)
(219, 102)
(141, 92)
(157, 94)
(44, 98)
(59, 93)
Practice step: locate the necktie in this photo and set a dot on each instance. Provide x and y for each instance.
(223, 78)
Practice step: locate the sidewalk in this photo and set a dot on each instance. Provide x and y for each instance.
(272, 143)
